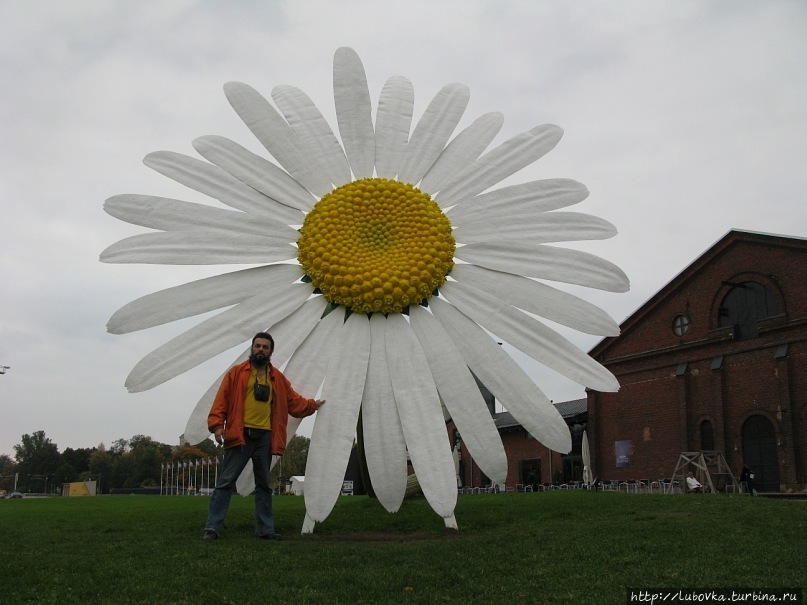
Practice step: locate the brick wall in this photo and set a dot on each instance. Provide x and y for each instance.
(661, 412)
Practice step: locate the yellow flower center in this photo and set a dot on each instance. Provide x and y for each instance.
(376, 245)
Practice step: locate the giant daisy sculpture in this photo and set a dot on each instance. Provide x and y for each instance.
(407, 259)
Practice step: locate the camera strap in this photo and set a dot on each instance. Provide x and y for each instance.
(268, 384)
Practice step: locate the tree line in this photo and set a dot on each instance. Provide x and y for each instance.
(39, 467)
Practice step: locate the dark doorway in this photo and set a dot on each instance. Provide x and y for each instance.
(572, 468)
(760, 453)
(707, 436)
(530, 472)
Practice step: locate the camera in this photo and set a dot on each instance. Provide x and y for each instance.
(261, 392)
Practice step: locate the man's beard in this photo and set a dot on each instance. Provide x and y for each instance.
(259, 359)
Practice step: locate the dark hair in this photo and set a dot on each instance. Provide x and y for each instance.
(266, 336)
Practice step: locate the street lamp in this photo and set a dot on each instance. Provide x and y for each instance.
(4, 368)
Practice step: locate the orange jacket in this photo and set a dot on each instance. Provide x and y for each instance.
(228, 407)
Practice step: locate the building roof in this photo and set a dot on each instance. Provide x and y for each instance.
(731, 238)
(571, 408)
(567, 409)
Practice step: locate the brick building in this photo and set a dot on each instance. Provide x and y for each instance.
(529, 461)
(716, 360)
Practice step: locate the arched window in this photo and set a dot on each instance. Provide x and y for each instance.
(744, 305)
(707, 436)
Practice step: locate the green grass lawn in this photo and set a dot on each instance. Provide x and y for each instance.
(553, 547)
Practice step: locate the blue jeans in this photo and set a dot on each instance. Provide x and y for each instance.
(256, 448)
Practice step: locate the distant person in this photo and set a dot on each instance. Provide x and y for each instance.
(693, 484)
(249, 417)
(747, 477)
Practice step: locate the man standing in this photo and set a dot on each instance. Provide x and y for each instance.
(249, 417)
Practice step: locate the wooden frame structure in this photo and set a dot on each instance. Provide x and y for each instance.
(707, 465)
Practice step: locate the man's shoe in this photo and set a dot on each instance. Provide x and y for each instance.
(277, 537)
(210, 535)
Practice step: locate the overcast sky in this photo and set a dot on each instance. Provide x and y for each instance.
(684, 119)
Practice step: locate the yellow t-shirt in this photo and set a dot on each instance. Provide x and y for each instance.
(258, 414)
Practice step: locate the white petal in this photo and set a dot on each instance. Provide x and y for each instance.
(504, 378)
(421, 416)
(432, 132)
(245, 484)
(213, 336)
(167, 214)
(196, 429)
(547, 262)
(499, 163)
(335, 425)
(200, 296)
(275, 135)
(516, 201)
(307, 367)
(313, 133)
(538, 228)
(538, 298)
(384, 444)
(392, 123)
(288, 334)
(175, 215)
(199, 248)
(461, 394)
(308, 525)
(213, 181)
(259, 173)
(353, 112)
(530, 336)
(291, 429)
(291, 331)
(462, 151)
